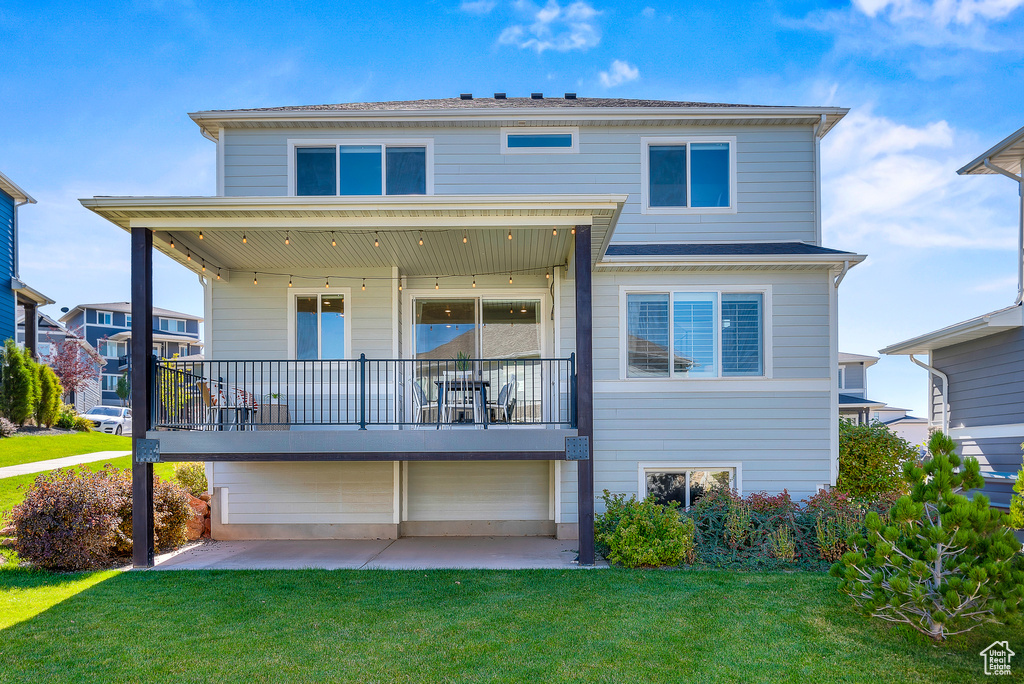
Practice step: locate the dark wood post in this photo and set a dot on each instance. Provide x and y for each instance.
(585, 392)
(142, 348)
(31, 327)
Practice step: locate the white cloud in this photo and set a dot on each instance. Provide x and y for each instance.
(648, 12)
(554, 27)
(889, 184)
(619, 73)
(941, 12)
(478, 6)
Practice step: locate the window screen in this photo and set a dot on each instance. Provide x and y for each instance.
(407, 170)
(315, 171)
(742, 334)
(709, 174)
(693, 322)
(667, 175)
(647, 333)
(359, 169)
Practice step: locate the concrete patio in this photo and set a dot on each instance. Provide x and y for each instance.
(407, 553)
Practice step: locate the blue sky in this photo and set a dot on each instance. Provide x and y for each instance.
(95, 97)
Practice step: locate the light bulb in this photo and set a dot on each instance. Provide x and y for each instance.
(421, 238)
(364, 284)
(436, 286)
(474, 281)
(554, 231)
(334, 243)
(376, 240)
(548, 275)
(573, 231)
(465, 237)
(509, 233)
(172, 243)
(289, 281)
(509, 278)
(204, 265)
(218, 274)
(287, 237)
(190, 255)
(327, 283)
(200, 235)
(254, 281)
(244, 240)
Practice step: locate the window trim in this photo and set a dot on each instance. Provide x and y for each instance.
(296, 292)
(645, 173)
(103, 387)
(427, 143)
(107, 315)
(572, 149)
(671, 466)
(767, 368)
(162, 319)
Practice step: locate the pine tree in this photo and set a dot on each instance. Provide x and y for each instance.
(17, 393)
(1017, 501)
(943, 563)
(50, 392)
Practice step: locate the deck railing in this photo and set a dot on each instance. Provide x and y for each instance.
(277, 395)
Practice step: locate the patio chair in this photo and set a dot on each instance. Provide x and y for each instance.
(503, 407)
(210, 412)
(420, 404)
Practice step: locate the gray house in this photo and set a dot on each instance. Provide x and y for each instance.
(466, 316)
(976, 367)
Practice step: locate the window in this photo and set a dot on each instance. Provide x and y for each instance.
(841, 378)
(686, 485)
(127, 320)
(683, 175)
(43, 349)
(112, 350)
(110, 383)
(535, 140)
(172, 325)
(330, 168)
(320, 326)
(710, 334)
(104, 318)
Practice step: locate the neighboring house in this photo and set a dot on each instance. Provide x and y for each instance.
(855, 405)
(108, 327)
(51, 335)
(13, 292)
(976, 367)
(415, 310)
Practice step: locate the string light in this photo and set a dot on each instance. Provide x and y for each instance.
(172, 243)
(289, 281)
(474, 281)
(509, 278)
(574, 231)
(287, 237)
(436, 286)
(421, 238)
(376, 240)
(364, 284)
(204, 265)
(554, 231)
(465, 237)
(200, 235)
(218, 274)
(547, 275)
(254, 281)
(399, 284)
(190, 255)
(244, 239)
(327, 283)
(334, 243)
(509, 233)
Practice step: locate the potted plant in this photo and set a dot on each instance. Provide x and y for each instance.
(273, 412)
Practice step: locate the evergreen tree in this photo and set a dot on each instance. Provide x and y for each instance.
(50, 404)
(17, 393)
(943, 563)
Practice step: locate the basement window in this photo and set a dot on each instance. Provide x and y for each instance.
(685, 485)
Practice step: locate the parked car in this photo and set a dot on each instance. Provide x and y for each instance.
(113, 420)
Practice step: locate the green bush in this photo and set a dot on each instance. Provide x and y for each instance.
(943, 563)
(82, 424)
(1017, 501)
(191, 476)
(66, 418)
(68, 520)
(871, 460)
(647, 534)
(49, 405)
(20, 387)
(783, 544)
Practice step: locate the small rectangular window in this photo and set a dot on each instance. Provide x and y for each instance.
(315, 169)
(110, 383)
(104, 318)
(648, 336)
(667, 175)
(688, 174)
(687, 486)
(539, 140)
(709, 171)
(128, 320)
(320, 327)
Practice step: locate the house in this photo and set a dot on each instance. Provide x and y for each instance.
(50, 336)
(975, 366)
(13, 292)
(108, 327)
(466, 316)
(854, 403)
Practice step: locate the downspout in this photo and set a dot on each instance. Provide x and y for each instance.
(1020, 229)
(944, 393)
(841, 274)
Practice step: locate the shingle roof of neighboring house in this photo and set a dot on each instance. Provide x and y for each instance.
(722, 249)
(486, 103)
(904, 418)
(19, 195)
(126, 307)
(845, 357)
(1010, 318)
(851, 400)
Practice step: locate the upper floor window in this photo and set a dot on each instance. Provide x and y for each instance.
(361, 167)
(104, 318)
(172, 325)
(688, 175)
(694, 334)
(111, 350)
(534, 140)
(127, 320)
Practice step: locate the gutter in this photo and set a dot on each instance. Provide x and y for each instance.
(944, 393)
(1020, 219)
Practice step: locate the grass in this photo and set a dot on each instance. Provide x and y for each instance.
(322, 626)
(31, 448)
(12, 489)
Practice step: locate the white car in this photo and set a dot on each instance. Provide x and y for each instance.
(113, 420)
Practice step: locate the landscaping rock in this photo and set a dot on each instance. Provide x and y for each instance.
(7, 531)
(8, 542)
(195, 527)
(199, 506)
(208, 530)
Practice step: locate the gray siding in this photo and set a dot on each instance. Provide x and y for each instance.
(775, 174)
(986, 380)
(853, 376)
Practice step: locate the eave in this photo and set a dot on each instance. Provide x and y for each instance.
(789, 262)
(19, 195)
(965, 331)
(1006, 154)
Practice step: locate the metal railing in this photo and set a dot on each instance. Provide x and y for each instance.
(276, 395)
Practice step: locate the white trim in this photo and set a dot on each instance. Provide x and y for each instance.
(556, 303)
(767, 331)
(988, 431)
(558, 491)
(292, 292)
(220, 161)
(737, 384)
(99, 313)
(395, 322)
(223, 505)
(647, 142)
(405, 491)
(672, 466)
(541, 130)
(833, 363)
(427, 143)
(396, 516)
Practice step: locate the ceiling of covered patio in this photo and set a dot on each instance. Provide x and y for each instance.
(422, 236)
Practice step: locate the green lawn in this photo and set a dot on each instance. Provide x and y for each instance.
(527, 626)
(12, 489)
(31, 448)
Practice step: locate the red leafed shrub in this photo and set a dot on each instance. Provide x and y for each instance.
(68, 520)
(171, 512)
(763, 502)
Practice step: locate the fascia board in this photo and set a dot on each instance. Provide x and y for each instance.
(983, 326)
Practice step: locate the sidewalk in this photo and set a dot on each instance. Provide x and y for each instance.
(54, 463)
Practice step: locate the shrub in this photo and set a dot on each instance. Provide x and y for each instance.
(66, 418)
(1017, 501)
(171, 512)
(871, 458)
(944, 564)
(19, 388)
(81, 424)
(738, 524)
(7, 428)
(647, 534)
(191, 476)
(49, 406)
(783, 544)
(68, 520)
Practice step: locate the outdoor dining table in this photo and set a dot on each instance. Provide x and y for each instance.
(462, 385)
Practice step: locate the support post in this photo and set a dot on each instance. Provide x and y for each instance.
(585, 392)
(31, 327)
(142, 348)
